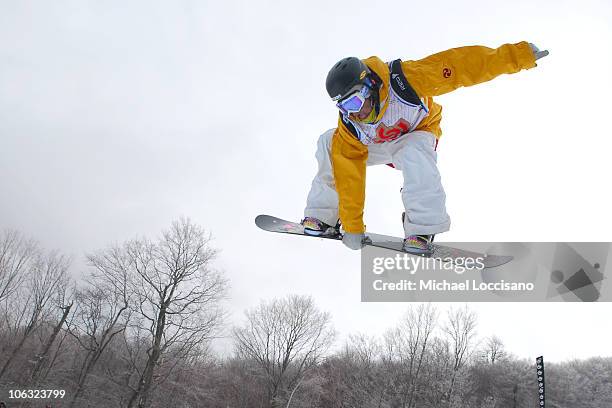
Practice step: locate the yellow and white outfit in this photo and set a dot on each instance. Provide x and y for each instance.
(404, 134)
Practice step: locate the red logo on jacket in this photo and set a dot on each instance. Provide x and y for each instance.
(387, 134)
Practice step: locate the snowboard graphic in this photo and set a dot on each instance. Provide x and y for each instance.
(274, 224)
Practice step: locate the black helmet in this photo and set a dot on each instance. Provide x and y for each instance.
(345, 76)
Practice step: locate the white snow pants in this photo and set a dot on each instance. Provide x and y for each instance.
(415, 156)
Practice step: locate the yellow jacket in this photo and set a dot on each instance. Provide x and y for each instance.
(435, 75)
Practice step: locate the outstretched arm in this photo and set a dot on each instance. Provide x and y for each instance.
(466, 66)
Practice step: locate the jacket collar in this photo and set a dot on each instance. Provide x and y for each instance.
(381, 69)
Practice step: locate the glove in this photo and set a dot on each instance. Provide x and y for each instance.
(355, 241)
(537, 53)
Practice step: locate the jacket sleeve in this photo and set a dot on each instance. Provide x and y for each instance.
(349, 158)
(466, 66)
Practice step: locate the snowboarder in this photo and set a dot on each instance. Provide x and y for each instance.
(388, 116)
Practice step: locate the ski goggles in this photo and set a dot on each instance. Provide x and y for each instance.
(354, 102)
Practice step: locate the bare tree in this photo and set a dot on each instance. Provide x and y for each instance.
(285, 337)
(101, 315)
(102, 310)
(461, 332)
(360, 378)
(37, 299)
(494, 350)
(364, 349)
(16, 256)
(176, 295)
(408, 344)
(43, 362)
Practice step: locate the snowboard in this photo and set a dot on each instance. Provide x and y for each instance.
(446, 253)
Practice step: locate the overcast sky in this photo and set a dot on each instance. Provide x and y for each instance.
(118, 117)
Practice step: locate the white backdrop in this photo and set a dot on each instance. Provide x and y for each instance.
(118, 117)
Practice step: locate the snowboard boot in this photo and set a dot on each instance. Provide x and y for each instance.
(418, 244)
(316, 227)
